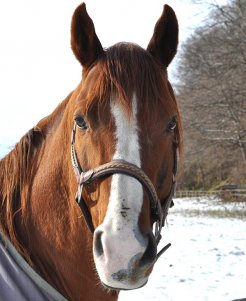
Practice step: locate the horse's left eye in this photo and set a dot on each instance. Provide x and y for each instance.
(80, 122)
(172, 125)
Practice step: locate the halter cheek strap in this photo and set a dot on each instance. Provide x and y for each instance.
(159, 211)
(78, 173)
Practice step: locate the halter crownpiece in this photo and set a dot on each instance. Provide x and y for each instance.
(159, 211)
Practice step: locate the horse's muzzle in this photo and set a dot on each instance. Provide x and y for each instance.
(124, 265)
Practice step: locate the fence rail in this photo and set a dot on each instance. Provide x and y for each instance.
(226, 194)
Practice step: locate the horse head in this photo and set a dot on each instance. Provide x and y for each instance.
(124, 139)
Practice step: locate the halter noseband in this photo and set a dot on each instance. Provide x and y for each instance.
(158, 210)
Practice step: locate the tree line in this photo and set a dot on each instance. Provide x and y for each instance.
(211, 90)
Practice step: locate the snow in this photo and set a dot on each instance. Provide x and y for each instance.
(207, 259)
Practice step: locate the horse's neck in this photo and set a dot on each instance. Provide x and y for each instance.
(59, 242)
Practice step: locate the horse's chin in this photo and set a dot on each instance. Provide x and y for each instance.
(125, 286)
(133, 277)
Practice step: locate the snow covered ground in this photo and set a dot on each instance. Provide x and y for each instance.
(207, 259)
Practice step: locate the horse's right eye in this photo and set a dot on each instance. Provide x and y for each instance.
(172, 125)
(81, 123)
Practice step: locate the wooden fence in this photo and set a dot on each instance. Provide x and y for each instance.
(225, 194)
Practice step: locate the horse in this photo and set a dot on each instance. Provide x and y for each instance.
(85, 193)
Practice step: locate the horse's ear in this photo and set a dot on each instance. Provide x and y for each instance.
(84, 41)
(164, 42)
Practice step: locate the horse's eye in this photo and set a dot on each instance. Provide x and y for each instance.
(172, 125)
(80, 122)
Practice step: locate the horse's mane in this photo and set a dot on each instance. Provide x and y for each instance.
(16, 174)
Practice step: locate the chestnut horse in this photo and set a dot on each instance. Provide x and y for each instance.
(112, 142)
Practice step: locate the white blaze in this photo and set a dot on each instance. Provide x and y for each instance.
(121, 240)
(126, 192)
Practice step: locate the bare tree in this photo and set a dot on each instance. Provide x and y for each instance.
(212, 92)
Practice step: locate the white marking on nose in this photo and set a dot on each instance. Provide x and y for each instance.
(121, 239)
(126, 196)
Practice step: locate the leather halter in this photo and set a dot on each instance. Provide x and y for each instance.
(159, 211)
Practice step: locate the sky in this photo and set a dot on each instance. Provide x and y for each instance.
(37, 67)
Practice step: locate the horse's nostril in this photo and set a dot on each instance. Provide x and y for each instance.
(150, 252)
(98, 248)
